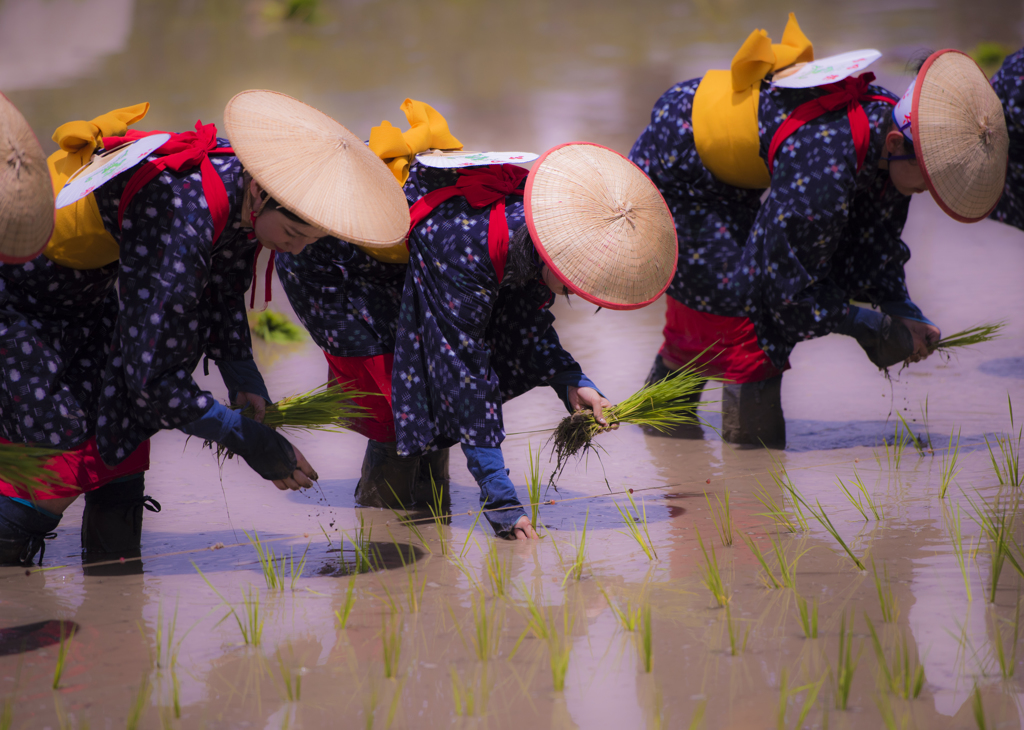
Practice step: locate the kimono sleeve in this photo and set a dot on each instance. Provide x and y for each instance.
(230, 278)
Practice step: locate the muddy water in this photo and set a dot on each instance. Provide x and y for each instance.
(527, 76)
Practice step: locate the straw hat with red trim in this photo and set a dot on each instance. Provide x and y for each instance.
(26, 193)
(316, 168)
(601, 225)
(959, 133)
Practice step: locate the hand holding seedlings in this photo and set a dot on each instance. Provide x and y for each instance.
(925, 335)
(258, 406)
(588, 398)
(300, 478)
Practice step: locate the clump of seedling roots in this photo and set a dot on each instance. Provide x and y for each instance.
(667, 404)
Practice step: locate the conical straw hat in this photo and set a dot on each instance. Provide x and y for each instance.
(601, 225)
(959, 135)
(26, 193)
(316, 168)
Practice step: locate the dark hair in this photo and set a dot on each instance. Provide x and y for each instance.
(523, 263)
(272, 204)
(917, 59)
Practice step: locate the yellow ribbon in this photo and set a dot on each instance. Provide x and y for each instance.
(80, 139)
(758, 56)
(428, 130)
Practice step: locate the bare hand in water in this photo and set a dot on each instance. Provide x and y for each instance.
(524, 530)
(925, 336)
(301, 477)
(580, 398)
(259, 406)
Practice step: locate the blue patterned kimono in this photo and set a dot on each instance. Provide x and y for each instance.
(347, 299)
(464, 345)
(824, 234)
(1009, 86)
(182, 297)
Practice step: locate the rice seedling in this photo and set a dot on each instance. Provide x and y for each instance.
(273, 567)
(697, 719)
(7, 714)
(1007, 659)
(414, 587)
(722, 517)
(25, 468)
(786, 565)
(325, 408)
(957, 538)
(966, 338)
(855, 501)
(470, 701)
(580, 546)
(343, 613)
(639, 532)
(472, 528)
(927, 429)
(786, 694)
(949, 468)
(628, 615)
(67, 633)
(138, 706)
(822, 517)
(167, 647)
(876, 511)
(997, 523)
(536, 618)
(276, 327)
(777, 511)
(767, 577)
(918, 445)
(711, 574)
(978, 709)
(486, 629)
(782, 480)
(901, 674)
(391, 643)
(534, 479)
(647, 639)
(499, 572)
(1007, 467)
(808, 615)
(292, 681)
(250, 623)
(885, 709)
(736, 644)
(366, 557)
(889, 603)
(899, 445)
(846, 663)
(663, 405)
(560, 649)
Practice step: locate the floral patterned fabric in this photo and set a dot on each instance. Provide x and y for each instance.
(347, 299)
(464, 345)
(182, 297)
(1009, 85)
(823, 235)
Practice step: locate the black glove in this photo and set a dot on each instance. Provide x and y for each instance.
(264, 449)
(886, 341)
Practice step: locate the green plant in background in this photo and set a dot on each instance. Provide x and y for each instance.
(277, 327)
(950, 467)
(711, 574)
(391, 643)
(647, 638)
(902, 675)
(534, 479)
(737, 645)
(299, 11)
(639, 532)
(888, 602)
(808, 615)
(345, 611)
(767, 577)
(990, 55)
(580, 558)
(499, 572)
(846, 663)
(67, 633)
(1007, 467)
(722, 517)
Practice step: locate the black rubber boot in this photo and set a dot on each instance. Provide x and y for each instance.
(388, 480)
(112, 520)
(22, 533)
(433, 483)
(659, 371)
(752, 413)
(889, 345)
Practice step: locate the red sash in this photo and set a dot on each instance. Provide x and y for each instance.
(83, 470)
(481, 186)
(849, 92)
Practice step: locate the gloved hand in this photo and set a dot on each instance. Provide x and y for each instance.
(885, 340)
(264, 449)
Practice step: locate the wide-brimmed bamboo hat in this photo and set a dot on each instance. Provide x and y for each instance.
(959, 134)
(601, 225)
(26, 193)
(316, 168)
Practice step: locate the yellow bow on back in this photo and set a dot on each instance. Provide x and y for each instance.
(758, 56)
(80, 139)
(428, 130)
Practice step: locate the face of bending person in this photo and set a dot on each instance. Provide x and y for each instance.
(279, 232)
(906, 175)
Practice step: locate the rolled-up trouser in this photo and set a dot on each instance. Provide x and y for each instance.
(497, 492)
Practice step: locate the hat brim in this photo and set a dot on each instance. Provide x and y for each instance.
(538, 238)
(940, 191)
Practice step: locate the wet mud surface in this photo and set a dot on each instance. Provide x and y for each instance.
(445, 635)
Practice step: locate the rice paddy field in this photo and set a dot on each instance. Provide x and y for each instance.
(869, 575)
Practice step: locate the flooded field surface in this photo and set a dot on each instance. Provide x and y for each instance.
(868, 576)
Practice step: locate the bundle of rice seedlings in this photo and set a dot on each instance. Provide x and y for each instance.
(25, 467)
(667, 404)
(277, 327)
(325, 408)
(965, 338)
